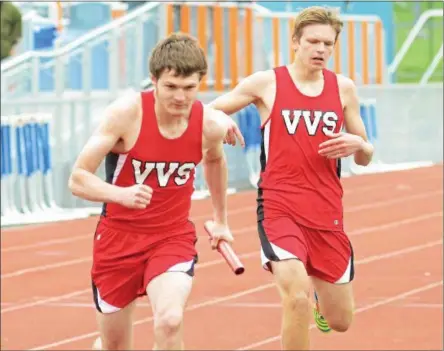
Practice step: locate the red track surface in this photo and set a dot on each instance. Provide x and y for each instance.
(394, 221)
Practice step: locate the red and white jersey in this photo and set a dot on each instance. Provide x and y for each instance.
(166, 165)
(295, 180)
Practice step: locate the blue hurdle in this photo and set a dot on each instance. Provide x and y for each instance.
(249, 123)
(369, 114)
(26, 172)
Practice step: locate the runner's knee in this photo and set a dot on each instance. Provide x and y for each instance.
(297, 301)
(115, 335)
(339, 319)
(169, 320)
(293, 282)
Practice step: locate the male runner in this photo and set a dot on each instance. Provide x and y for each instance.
(303, 108)
(144, 242)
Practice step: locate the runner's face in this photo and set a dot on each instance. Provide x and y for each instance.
(177, 94)
(315, 45)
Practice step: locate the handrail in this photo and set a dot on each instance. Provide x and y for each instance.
(260, 9)
(82, 40)
(411, 37)
(126, 67)
(97, 32)
(428, 73)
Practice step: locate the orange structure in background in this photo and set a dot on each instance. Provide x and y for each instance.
(233, 27)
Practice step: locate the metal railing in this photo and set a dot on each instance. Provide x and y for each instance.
(432, 67)
(237, 38)
(413, 34)
(117, 48)
(243, 39)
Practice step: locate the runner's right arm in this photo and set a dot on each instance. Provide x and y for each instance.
(248, 91)
(215, 127)
(83, 183)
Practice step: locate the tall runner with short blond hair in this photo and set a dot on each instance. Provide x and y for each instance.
(303, 109)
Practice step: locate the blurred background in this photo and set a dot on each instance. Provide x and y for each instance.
(63, 62)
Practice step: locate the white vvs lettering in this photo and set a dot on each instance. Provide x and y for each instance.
(164, 171)
(293, 117)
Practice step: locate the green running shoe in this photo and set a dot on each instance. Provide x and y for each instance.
(321, 323)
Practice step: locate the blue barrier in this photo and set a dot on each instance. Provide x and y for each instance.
(44, 37)
(26, 172)
(249, 123)
(368, 114)
(46, 148)
(6, 170)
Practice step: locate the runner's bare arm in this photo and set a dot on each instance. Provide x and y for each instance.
(215, 127)
(248, 91)
(353, 121)
(117, 119)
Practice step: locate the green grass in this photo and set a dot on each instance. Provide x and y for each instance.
(426, 44)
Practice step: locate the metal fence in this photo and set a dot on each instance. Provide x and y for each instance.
(107, 58)
(403, 121)
(237, 38)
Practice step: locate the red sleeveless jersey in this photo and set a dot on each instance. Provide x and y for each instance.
(295, 180)
(166, 165)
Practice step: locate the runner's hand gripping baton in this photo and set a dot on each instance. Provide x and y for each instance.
(228, 254)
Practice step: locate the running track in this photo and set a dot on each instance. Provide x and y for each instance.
(394, 221)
